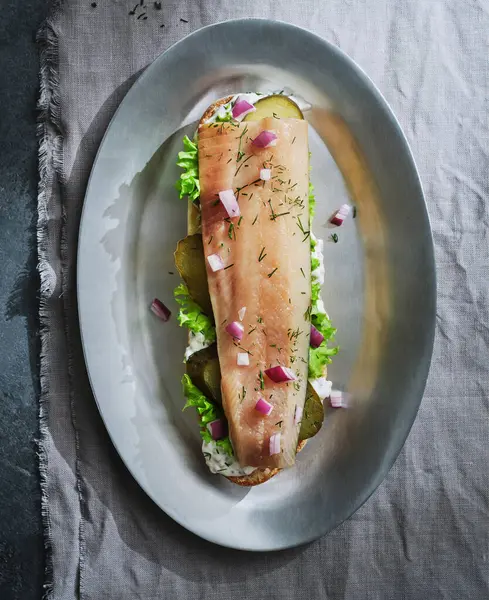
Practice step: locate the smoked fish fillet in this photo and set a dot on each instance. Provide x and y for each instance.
(266, 255)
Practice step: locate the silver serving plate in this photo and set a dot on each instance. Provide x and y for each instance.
(379, 291)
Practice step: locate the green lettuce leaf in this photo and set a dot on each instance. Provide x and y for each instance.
(226, 445)
(314, 263)
(322, 322)
(312, 201)
(207, 411)
(318, 357)
(227, 116)
(191, 315)
(188, 160)
(315, 292)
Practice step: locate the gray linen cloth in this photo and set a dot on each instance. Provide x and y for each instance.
(424, 533)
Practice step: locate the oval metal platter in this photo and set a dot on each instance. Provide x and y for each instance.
(379, 291)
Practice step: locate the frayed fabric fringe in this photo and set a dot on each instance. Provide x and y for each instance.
(50, 159)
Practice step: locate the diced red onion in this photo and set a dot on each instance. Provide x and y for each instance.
(265, 139)
(230, 203)
(243, 359)
(280, 374)
(218, 429)
(235, 329)
(340, 215)
(265, 174)
(215, 262)
(339, 399)
(275, 444)
(263, 407)
(298, 415)
(317, 338)
(242, 108)
(160, 310)
(241, 313)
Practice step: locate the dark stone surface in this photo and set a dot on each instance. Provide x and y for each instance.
(21, 545)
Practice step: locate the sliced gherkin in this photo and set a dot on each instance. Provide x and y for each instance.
(190, 262)
(205, 373)
(278, 106)
(312, 416)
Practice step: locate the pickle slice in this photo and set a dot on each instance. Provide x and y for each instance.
(278, 106)
(205, 373)
(313, 415)
(190, 262)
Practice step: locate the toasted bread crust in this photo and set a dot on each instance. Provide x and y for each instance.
(213, 107)
(258, 476)
(255, 478)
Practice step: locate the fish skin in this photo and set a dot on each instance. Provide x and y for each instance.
(279, 298)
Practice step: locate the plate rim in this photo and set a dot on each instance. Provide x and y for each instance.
(388, 112)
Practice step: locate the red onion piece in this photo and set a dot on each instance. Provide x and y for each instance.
(339, 399)
(242, 108)
(160, 310)
(230, 203)
(280, 374)
(298, 414)
(218, 429)
(265, 139)
(340, 215)
(235, 329)
(263, 407)
(241, 313)
(275, 444)
(215, 262)
(317, 338)
(265, 174)
(243, 359)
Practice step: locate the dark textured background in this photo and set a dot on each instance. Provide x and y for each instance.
(21, 547)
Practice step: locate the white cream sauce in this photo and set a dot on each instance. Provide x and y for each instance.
(196, 342)
(220, 462)
(317, 253)
(322, 387)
